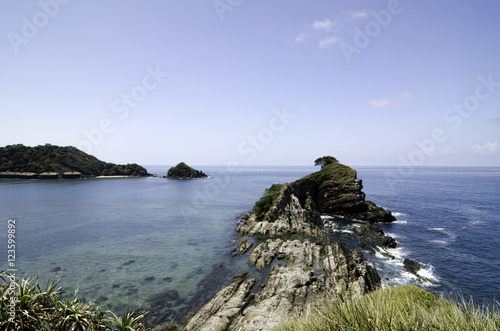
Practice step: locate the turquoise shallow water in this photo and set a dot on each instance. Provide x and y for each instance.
(159, 243)
(132, 241)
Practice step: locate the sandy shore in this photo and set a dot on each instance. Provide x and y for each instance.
(115, 176)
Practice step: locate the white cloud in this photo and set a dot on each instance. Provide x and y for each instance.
(487, 148)
(301, 37)
(400, 98)
(325, 26)
(329, 42)
(383, 103)
(325, 33)
(353, 15)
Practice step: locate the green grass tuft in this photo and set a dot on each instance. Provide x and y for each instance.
(397, 308)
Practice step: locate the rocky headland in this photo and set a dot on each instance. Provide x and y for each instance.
(286, 232)
(183, 171)
(53, 162)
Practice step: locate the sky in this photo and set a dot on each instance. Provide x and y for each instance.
(224, 82)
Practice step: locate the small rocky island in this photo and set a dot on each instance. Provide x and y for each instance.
(292, 247)
(183, 171)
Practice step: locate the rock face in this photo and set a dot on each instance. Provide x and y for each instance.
(299, 270)
(290, 287)
(373, 238)
(183, 171)
(334, 190)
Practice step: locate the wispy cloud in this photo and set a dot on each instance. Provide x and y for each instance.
(383, 103)
(401, 97)
(324, 26)
(354, 15)
(330, 41)
(487, 148)
(325, 33)
(301, 37)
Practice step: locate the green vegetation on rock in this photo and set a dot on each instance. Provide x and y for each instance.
(262, 206)
(183, 171)
(50, 158)
(325, 160)
(397, 308)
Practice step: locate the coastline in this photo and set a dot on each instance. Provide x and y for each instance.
(118, 176)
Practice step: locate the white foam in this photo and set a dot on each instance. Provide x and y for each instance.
(436, 229)
(393, 235)
(440, 242)
(429, 273)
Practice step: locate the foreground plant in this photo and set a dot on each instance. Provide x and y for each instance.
(128, 322)
(399, 308)
(43, 308)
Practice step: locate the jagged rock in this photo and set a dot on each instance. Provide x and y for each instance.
(218, 313)
(306, 269)
(243, 247)
(297, 209)
(373, 238)
(310, 270)
(412, 266)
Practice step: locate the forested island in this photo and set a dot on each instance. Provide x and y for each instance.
(183, 171)
(50, 161)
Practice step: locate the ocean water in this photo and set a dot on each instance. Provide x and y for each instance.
(163, 244)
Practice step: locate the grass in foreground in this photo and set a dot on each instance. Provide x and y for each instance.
(397, 308)
(44, 308)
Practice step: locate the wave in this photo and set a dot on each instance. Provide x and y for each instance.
(393, 272)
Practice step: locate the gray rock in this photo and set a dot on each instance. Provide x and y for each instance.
(372, 237)
(218, 313)
(412, 266)
(310, 270)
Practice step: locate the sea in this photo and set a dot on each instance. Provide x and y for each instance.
(163, 245)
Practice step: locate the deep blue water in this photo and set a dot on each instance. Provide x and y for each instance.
(131, 241)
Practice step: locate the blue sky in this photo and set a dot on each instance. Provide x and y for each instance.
(254, 82)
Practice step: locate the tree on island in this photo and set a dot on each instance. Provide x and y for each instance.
(325, 160)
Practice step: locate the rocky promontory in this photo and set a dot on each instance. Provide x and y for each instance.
(183, 171)
(292, 248)
(298, 206)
